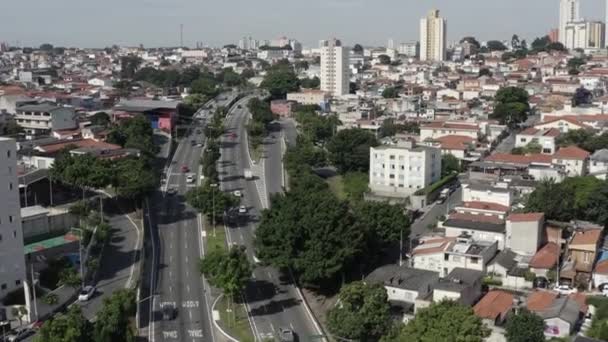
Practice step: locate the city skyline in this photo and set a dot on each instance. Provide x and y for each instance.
(157, 23)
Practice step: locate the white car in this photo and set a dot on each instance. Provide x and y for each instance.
(86, 293)
(190, 179)
(237, 193)
(242, 209)
(565, 289)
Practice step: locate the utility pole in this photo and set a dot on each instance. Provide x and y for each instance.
(34, 292)
(181, 35)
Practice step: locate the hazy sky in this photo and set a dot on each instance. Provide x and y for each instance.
(98, 23)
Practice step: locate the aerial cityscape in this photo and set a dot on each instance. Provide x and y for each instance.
(263, 182)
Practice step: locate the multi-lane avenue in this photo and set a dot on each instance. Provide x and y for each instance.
(272, 299)
(177, 246)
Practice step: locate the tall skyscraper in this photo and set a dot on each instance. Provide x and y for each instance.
(432, 37)
(12, 259)
(569, 11)
(335, 73)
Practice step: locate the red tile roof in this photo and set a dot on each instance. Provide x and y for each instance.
(79, 143)
(476, 218)
(586, 237)
(540, 300)
(519, 159)
(438, 245)
(525, 217)
(581, 299)
(571, 152)
(546, 257)
(601, 267)
(452, 125)
(570, 119)
(455, 142)
(479, 205)
(494, 304)
(551, 132)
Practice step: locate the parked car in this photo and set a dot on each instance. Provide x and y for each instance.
(20, 335)
(239, 106)
(190, 179)
(171, 191)
(242, 209)
(540, 283)
(565, 289)
(86, 293)
(185, 168)
(286, 335)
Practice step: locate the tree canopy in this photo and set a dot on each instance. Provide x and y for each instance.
(471, 40)
(495, 45)
(525, 326)
(227, 270)
(585, 139)
(390, 93)
(449, 165)
(310, 231)
(66, 327)
(349, 150)
(206, 198)
(113, 320)
(511, 105)
(384, 59)
(582, 96)
(362, 313)
(444, 321)
(358, 49)
(280, 79)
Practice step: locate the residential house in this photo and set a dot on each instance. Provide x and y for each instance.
(563, 124)
(445, 254)
(461, 285)
(545, 259)
(482, 208)
(404, 284)
(510, 269)
(41, 119)
(581, 254)
(524, 232)
(459, 146)
(600, 272)
(560, 313)
(483, 192)
(544, 137)
(495, 307)
(162, 114)
(282, 108)
(598, 164)
(573, 159)
(310, 97)
(479, 227)
(438, 129)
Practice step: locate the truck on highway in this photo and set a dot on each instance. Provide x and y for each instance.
(248, 174)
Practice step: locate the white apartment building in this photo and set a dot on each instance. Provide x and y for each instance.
(433, 37)
(569, 11)
(399, 170)
(544, 137)
(598, 164)
(42, 118)
(12, 257)
(335, 74)
(410, 49)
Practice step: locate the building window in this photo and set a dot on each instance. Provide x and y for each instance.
(14, 233)
(3, 287)
(586, 258)
(8, 153)
(391, 157)
(446, 257)
(17, 282)
(10, 218)
(391, 176)
(474, 260)
(10, 186)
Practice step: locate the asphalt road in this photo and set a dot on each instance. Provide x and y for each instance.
(178, 246)
(433, 212)
(272, 298)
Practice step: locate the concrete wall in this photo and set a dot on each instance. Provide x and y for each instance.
(523, 237)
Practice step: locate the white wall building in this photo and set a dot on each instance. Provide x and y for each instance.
(399, 170)
(42, 118)
(433, 37)
(568, 12)
(335, 73)
(12, 257)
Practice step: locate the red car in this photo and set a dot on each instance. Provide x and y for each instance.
(233, 135)
(185, 168)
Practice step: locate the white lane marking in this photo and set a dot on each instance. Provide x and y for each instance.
(190, 314)
(170, 334)
(272, 327)
(135, 248)
(187, 273)
(291, 326)
(186, 259)
(189, 304)
(269, 275)
(188, 288)
(170, 288)
(195, 333)
(170, 274)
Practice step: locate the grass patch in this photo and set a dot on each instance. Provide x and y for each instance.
(336, 185)
(233, 318)
(216, 241)
(256, 153)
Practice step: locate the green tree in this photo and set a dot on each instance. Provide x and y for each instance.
(383, 223)
(211, 200)
(362, 312)
(11, 128)
(358, 49)
(310, 231)
(228, 271)
(525, 326)
(135, 133)
(449, 165)
(134, 178)
(205, 86)
(349, 150)
(444, 321)
(113, 320)
(355, 185)
(46, 47)
(310, 83)
(390, 93)
(582, 96)
(100, 119)
(495, 45)
(247, 73)
(511, 106)
(471, 40)
(280, 79)
(384, 59)
(576, 63)
(129, 65)
(66, 327)
(484, 72)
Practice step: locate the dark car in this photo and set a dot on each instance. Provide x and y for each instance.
(20, 335)
(540, 283)
(169, 312)
(287, 335)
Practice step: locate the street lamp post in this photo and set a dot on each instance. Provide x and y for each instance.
(80, 254)
(213, 186)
